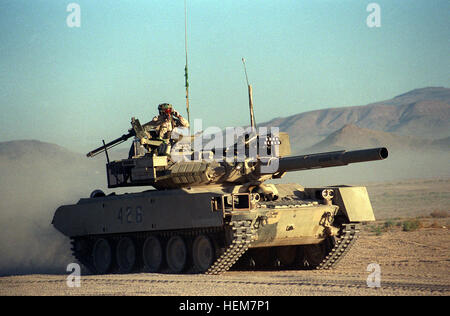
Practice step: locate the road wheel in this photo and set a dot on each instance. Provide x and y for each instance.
(125, 255)
(315, 254)
(176, 254)
(287, 255)
(263, 257)
(152, 254)
(202, 253)
(102, 256)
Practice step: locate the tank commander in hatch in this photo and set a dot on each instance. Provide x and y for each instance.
(166, 121)
(161, 127)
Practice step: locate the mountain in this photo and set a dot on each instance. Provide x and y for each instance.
(34, 149)
(421, 113)
(353, 137)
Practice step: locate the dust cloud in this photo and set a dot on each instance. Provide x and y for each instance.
(32, 186)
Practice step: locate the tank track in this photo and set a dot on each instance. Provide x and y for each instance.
(345, 241)
(242, 235)
(80, 256)
(83, 253)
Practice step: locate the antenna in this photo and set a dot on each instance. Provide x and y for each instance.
(106, 151)
(250, 98)
(186, 67)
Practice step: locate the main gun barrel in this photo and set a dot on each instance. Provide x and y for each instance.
(331, 159)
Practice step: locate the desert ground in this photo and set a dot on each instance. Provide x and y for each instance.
(410, 198)
(410, 242)
(411, 263)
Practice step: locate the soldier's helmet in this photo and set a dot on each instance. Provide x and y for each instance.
(165, 108)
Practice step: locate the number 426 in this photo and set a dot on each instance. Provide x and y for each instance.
(130, 215)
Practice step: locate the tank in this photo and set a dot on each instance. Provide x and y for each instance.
(204, 215)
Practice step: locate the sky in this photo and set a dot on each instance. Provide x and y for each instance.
(75, 86)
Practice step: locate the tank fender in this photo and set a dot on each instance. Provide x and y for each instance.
(354, 202)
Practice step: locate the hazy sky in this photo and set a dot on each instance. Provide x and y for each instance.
(75, 86)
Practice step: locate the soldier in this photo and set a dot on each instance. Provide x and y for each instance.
(166, 121)
(160, 127)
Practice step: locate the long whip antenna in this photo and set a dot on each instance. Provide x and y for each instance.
(186, 67)
(250, 98)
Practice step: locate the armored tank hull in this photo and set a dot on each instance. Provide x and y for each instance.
(207, 229)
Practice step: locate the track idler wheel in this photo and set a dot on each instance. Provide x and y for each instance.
(152, 254)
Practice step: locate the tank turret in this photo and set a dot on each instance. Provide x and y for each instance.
(231, 167)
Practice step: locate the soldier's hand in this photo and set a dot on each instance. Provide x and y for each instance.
(144, 141)
(175, 113)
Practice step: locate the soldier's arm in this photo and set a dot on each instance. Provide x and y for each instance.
(181, 120)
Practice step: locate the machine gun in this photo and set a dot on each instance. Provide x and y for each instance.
(148, 139)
